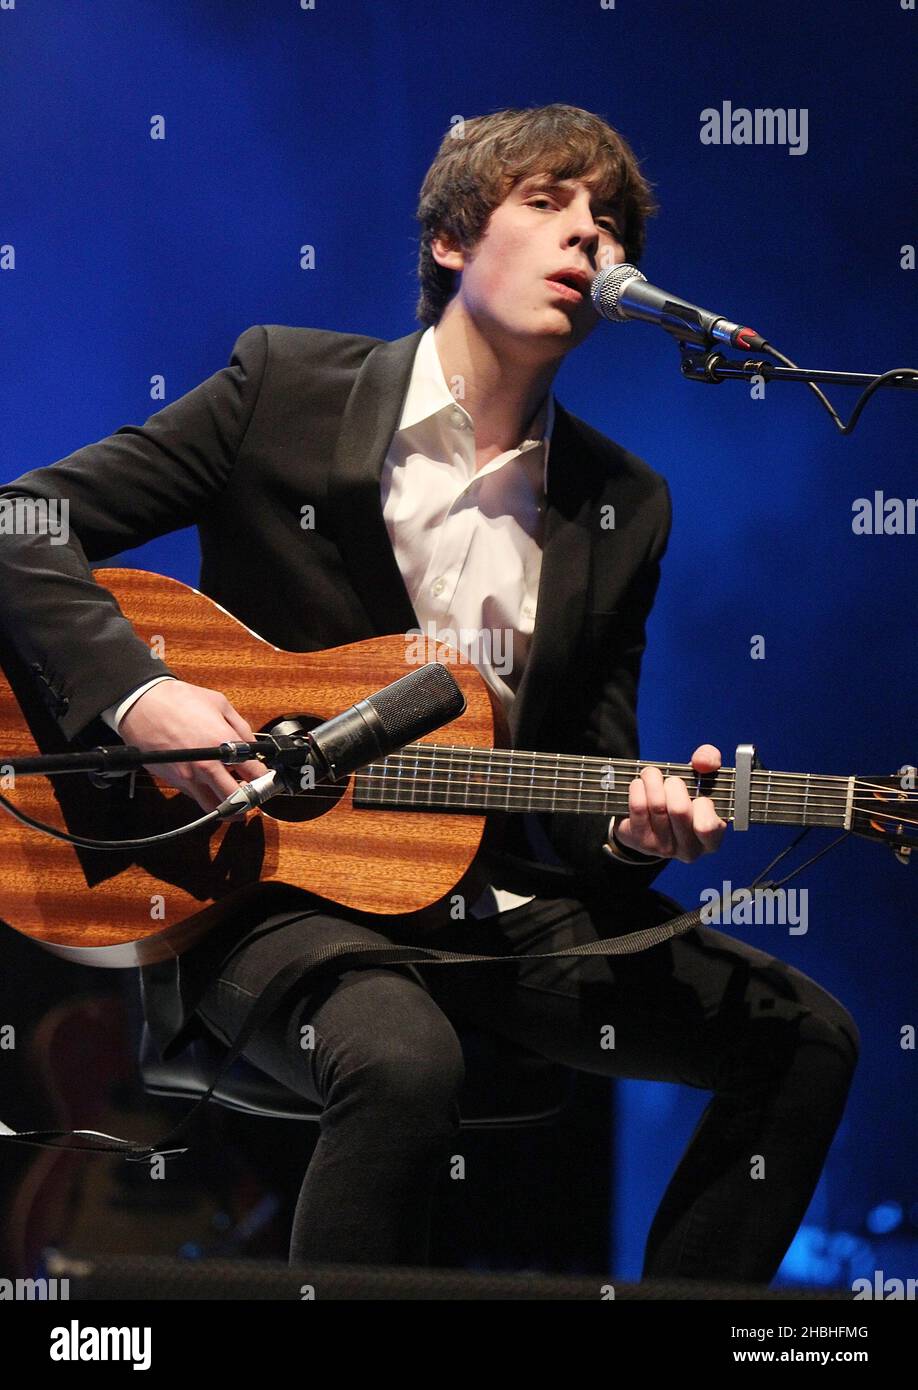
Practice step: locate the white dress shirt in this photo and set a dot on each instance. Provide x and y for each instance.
(468, 543)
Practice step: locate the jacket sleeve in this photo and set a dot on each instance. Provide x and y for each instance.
(141, 482)
(612, 727)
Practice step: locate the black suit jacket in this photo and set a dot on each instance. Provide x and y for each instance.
(305, 417)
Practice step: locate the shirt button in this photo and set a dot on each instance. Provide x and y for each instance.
(457, 417)
(527, 610)
(437, 587)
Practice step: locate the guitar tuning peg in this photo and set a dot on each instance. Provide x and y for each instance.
(903, 853)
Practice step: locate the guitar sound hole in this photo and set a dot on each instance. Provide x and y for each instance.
(308, 804)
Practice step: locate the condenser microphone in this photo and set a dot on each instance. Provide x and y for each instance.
(400, 713)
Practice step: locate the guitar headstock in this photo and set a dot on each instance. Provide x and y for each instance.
(886, 808)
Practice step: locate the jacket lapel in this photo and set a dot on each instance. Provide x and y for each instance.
(368, 424)
(563, 581)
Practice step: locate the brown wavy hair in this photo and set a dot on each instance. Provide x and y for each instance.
(479, 162)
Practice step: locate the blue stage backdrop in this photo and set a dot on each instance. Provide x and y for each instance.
(164, 165)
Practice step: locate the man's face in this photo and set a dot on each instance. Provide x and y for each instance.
(541, 230)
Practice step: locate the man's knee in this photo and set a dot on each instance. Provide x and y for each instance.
(404, 1054)
(795, 1028)
(830, 1026)
(819, 1049)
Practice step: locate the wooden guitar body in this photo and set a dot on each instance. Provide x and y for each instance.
(126, 908)
(395, 840)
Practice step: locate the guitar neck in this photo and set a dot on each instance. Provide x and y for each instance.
(426, 776)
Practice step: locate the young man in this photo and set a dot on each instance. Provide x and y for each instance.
(451, 488)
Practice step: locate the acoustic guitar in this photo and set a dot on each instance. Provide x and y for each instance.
(398, 837)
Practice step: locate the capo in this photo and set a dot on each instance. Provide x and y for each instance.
(747, 761)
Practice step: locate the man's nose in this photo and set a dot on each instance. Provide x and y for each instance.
(582, 230)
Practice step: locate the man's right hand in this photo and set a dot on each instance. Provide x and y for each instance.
(174, 714)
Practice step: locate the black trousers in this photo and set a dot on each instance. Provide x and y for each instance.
(377, 1047)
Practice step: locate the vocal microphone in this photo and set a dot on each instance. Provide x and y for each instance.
(400, 713)
(622, 292)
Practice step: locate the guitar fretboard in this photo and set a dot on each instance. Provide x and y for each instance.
(426, 776)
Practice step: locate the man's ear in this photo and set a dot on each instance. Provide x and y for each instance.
(447, 252)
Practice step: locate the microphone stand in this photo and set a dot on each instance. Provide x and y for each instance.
(113, 760)
(280, 753)
(713, 366)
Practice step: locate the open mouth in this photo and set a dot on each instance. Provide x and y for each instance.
(568, 287)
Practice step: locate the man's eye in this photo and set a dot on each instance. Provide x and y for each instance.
(606, 225)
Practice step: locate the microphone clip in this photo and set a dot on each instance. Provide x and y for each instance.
(701, 366)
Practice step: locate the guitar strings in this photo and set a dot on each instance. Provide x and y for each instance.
(431, 753)
(551, 769)
(763, 810)
(763, 814)
(570, 760)
(368, 782)
(825, 793)
(781, 788)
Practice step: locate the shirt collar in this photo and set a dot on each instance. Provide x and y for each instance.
(428, 394)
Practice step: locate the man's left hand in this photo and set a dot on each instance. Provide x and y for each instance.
(664, 820)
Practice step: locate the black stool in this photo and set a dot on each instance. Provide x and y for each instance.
(506, 1086)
